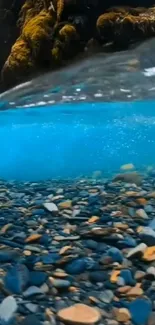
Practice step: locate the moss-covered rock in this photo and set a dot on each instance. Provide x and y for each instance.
(47, 35)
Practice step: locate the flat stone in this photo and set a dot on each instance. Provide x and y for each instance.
(32, 238)
(137, 251)
(65, 204)
(59, 283)
(33, 308)
(140, 310)
(79, 314)
(141, 213)
(32, 291)
(30, 320)
(122, 315)
(51, 207)
(8, 308)
(106, 296)
(115, 254)
(149, 254)
(16, 279)
(147, 235)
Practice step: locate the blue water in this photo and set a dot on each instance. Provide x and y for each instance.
(70, 140)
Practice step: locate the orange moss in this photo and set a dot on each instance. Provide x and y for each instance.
(19, 62)
(125, 24)
(37, 31)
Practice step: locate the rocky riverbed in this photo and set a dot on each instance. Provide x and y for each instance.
(78, 251)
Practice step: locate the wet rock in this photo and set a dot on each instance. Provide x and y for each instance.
(137, 251)
(16, 279)
(77, 266)
(37, 278)
(141, 213)
(30, 320)
(79, 314)
(60, 283)
(106, 296)
(8, 308)
(8, 256)
(33, 308)
(140, 310)
(133, 178)
(98, 276)
(32, 291)
(122, 315)
(51, 207)
(116, 254)
(147, 235)
(128, 278)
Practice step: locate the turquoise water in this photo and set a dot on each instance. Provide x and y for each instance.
(95, 115)
(73, 140)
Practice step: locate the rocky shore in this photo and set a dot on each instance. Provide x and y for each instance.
(78, 251)
(42, 35)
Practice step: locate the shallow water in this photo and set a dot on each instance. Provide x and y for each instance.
(95, 115)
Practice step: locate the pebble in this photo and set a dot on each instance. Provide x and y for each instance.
(79, 314)
(32, 291)
(8, 307)
(122, 315)
(106, 296)
(51, 207)
(16, 279)
(30, 320)
(141, 213)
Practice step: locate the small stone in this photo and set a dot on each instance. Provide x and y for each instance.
(51, 207)
(79, 314)
(122, 315)
(37, 278)
(139, 275)
(141, 213)
(114, 276)
(65, 204)
(30, 320)
(33, 308)
(32, 291)
(64, 249)
(106, 296)
(27, 253)
(77, 266)
(115, 254)
(93, 219)
(137, 251)
(149, 254)
(141, 201)
(135, 292)
(8, 308)
(151, 272)
(33, 238)
(59, 283)
(147, 235)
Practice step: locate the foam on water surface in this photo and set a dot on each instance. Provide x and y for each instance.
(95, 115)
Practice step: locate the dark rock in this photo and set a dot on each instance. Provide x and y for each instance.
(147, 235)
(37, 278)
(8, 308)
(16, 279)
(31, 320)
(140, 310)
(127, 276)
(32, 291)
(8, 256)
(116, 254)
(77, 266)
(98, 276)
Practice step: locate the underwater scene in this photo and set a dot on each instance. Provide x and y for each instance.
(77, 194)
